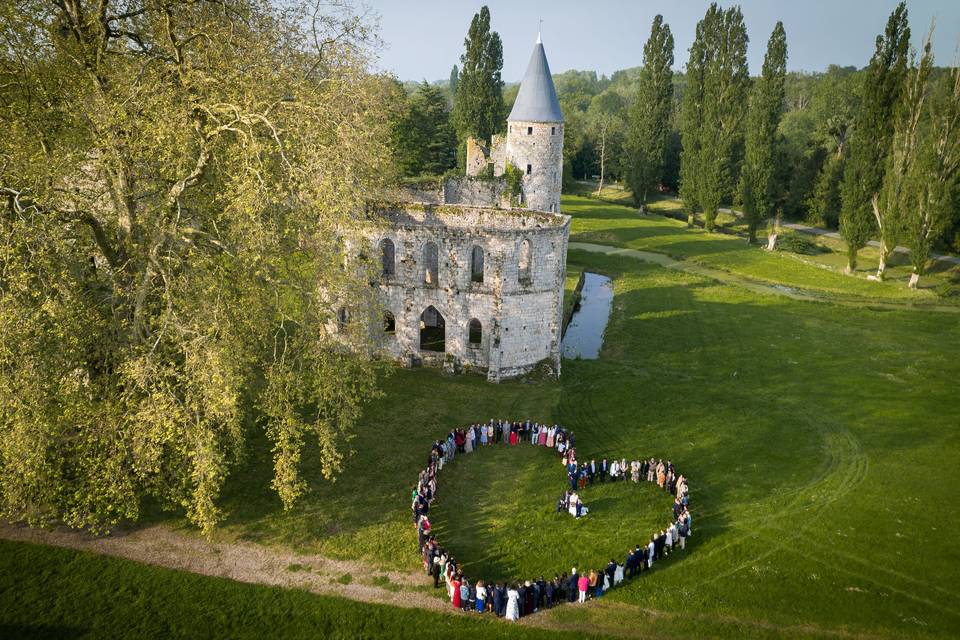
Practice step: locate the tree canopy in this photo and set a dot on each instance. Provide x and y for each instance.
(478, 109)
(175, 176)
(649, 124)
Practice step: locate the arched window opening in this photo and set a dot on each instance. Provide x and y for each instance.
(432, 331)
(342, 317)
(529, 169)
(529, 131)
(431, 263)
(523, 262)
(476, 265)
(388, 257)
(389, 322)
(476, 333)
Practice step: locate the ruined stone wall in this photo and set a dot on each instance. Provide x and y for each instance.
(539, 146)
(476, 191)
(520, 317)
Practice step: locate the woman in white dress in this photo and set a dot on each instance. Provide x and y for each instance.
(614, 471)
(513, 600)
(468, 444)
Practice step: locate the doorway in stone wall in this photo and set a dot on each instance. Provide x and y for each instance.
(432, 331)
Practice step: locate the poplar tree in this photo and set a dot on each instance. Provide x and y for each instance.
(478, 109)
(725, 88)
(714, 108)
(934, 182)
(649, 124)
(454, 81)
(757, 182)
(872, 133)
(691, 113)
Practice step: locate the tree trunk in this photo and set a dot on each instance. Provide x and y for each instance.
(603, 150)
(851, 262)
(914, 279)
(882, 267)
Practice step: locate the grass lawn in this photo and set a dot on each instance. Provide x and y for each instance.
(58, 594)
(821, 443)
(603, 223)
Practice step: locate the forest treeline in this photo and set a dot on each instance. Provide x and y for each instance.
(811, 118)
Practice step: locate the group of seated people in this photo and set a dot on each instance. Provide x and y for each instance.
(511, 601)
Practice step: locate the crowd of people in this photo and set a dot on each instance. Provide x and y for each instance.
(511, 601)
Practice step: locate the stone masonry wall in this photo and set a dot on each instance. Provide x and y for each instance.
(521, 319)
(542, 150)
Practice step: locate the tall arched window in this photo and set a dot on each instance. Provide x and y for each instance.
(388, 257)
(476, 333)
(431, 260)
(476, 264)
(389, 322)
(342, 317)
(523, 262)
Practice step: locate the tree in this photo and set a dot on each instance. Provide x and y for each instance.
(890, 204)
(757, 182)
(726, 85)
(174, 176)
(649, 125)
(424, 139)
(454, 81)
(692, 113)
(872, 133)
(713, 112)
(604, 119)
(824, 203)
(478, 109)
(934, 183)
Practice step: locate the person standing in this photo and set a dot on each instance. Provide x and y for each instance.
(604, 468)
(513, 604)
(573, 585)
(455, 592)
(583, 583)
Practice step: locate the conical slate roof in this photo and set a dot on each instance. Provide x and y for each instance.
(537, 99)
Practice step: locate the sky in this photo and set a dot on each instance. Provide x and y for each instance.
(424, 38)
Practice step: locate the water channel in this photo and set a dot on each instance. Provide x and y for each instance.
(584, 335)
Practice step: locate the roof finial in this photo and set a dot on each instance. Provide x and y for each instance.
(539, 28)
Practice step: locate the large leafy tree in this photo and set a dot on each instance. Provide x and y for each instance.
(758, 182)
(425, 140)
(649, 124)
(478, 109)
(873, 133)
(174, 175)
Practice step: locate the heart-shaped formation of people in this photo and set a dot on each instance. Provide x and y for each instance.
(511, 601)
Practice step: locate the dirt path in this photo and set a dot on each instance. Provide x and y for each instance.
(244, 562)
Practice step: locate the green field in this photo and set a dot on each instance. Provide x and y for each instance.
(821, 441)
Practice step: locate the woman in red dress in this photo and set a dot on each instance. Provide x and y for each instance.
(455, 598)
(513, 437)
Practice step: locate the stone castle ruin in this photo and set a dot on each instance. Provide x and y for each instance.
(473, 269)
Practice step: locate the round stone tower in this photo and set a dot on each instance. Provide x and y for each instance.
(535, 135)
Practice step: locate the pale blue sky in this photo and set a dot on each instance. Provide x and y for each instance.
(424, 38)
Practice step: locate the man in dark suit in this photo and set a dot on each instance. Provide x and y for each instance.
(604, 467)
(591, 471)
(630, 563)
(611, 569)
(572, 586)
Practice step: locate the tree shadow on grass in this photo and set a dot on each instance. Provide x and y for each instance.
(40, 632)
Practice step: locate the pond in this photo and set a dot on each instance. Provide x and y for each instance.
(584, 335)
